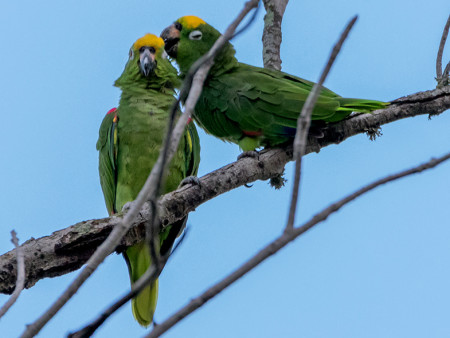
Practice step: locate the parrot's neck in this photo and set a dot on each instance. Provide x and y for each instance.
(164, 80)
(144, 98)
(225, 60)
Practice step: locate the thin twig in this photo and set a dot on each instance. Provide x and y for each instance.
(248, 23)
(441, 48)
(304, 121)
(279, 243)
(445, 75)
(442, 76)
(20, 283)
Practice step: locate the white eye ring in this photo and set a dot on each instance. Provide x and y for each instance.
(131, 54)
(195, 35)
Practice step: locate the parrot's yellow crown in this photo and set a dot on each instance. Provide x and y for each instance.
(191, 21)
(149, 40)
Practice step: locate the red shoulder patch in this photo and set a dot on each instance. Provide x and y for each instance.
(112, 110)
(252, 133)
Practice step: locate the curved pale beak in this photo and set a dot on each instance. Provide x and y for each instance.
(171, 36)
(147, 62)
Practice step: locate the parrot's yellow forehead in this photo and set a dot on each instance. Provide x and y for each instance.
(191, 21)
(149, 40)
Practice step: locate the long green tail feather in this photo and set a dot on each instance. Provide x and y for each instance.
(144, 304)
(361, 105)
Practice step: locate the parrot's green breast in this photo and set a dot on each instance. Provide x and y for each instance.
(141, 129)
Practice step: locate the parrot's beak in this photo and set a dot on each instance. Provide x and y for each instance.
(147, 62)
(171, 36)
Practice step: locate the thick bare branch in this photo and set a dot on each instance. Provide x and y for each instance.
(278, 244)
(304, 122)
(272, 35)
(20, 276)
(68, 249)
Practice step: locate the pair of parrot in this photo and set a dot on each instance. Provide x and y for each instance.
(243, 104)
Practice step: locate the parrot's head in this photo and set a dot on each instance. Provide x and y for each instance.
(187, 39)
(147, 64)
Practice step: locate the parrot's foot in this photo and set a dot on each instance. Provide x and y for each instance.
(127, 207)
(248, 185)
(373, 132)
(316, 132)
(335, 134)
(252, 153)
(194, 180)
(277, 181)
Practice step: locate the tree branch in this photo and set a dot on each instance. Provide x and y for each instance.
(20, 276)
(278, 244)
(68, 249)
(272, 35)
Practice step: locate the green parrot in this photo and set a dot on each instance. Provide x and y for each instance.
(129, 143)
(248, 105)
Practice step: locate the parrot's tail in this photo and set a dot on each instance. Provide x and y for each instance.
(138, 260)
(144, 304)
(361, 105)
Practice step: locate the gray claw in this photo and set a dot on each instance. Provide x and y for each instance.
(127, 206)
(252, 153)
(194, 180)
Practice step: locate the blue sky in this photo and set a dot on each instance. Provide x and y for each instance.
(378, 268)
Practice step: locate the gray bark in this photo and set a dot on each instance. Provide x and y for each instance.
(272, 35)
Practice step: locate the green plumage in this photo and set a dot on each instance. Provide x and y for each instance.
(129, 143)
(248, 105)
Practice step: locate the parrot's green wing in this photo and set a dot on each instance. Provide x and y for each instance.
(107, 147)
(192, 149)
(248, 100)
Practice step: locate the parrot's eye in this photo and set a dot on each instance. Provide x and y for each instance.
(150, 49)
(178, 26)
(195, 35)
(131, 54)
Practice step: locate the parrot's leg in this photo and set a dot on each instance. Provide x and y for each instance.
(316, 132)
(248, 143)
(252, 153)
(194, 180)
